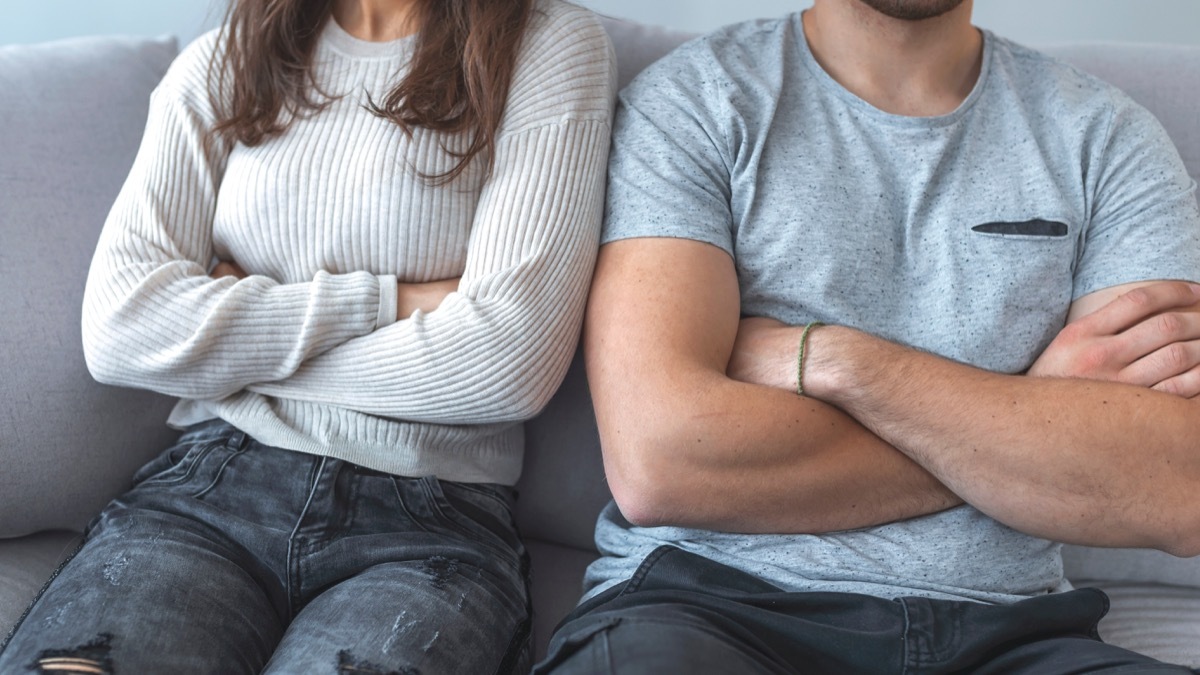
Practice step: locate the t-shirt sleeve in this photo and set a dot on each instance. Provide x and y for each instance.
(1144, 223)
(669, 172)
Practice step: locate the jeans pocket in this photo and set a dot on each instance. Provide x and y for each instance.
(570, 639)
(478, 512)
(175, 465)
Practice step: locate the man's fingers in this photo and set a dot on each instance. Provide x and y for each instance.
(1162, 342)
(1140, 304)
(1186, 385)
(1177, 359)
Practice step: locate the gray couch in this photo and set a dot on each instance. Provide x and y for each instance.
(71, 115)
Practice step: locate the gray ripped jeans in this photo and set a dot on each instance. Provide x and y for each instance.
(229, 556)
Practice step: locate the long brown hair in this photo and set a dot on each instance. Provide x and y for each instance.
(461, 73)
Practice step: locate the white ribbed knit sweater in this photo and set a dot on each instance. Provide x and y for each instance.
(307, 353)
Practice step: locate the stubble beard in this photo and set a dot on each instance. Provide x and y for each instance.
(912, 10)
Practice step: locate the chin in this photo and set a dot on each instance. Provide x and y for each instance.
(912, 10)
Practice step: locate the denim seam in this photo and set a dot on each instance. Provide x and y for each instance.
(485, 494)
(643, 570)
(904, 637)
(445, 514)
(608, 653)
(45, 587)
(194, 457)
(520, 641)
(217, 476)
(419, 522)
(293, 562)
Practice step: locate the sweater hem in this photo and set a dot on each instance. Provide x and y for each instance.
(497, 458)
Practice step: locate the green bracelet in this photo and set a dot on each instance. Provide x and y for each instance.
(800, 358)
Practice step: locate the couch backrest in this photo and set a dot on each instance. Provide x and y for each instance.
(1163, 78)
(563, 487)
(71, 117)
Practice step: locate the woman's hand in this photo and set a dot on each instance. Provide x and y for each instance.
(409, 297)
(425, 296)
(227, 269)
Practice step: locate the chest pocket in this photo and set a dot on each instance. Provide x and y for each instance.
(1028, 228)
(1021, 288)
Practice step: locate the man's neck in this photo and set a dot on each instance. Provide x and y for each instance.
(914, 68)
(376, 20)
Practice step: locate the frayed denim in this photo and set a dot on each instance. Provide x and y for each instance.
(229, 556)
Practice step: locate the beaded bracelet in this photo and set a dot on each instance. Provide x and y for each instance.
(800, 358)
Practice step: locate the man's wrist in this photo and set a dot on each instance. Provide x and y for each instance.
(802, 354)
(834, 360)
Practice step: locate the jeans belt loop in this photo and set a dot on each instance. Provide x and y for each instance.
(238, 440)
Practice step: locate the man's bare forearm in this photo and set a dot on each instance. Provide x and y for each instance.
(741, 458)
(687, 445)
(1072, 460)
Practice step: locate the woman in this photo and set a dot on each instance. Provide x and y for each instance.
(404, 197)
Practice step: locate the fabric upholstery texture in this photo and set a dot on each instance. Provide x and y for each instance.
(1156, 620)
(71, 118)
(1130, 566)
(25, 565)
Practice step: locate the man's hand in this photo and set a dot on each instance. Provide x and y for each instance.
(423, 296)
(228, 269)
(764, 353)
(1078, 461)
(1148, 336)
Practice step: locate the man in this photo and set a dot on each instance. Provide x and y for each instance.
(882, 493)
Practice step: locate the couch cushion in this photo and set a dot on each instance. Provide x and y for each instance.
(1155, 620)
(1129, 565)
(562, 487)
(25, 565)
(71, 118)
(557, 585)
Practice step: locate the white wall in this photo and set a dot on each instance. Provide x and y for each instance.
(25, 21)
(1030, 21)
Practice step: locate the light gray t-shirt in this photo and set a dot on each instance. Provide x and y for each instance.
(966, 235)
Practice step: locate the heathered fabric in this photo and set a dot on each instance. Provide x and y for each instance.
(967, 235)
(308, 354)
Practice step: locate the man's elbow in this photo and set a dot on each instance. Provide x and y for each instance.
(1186, 541)
(641, 507)
(1185, 549)
(649, 491)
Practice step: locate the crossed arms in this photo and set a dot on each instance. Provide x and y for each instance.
(701, 426)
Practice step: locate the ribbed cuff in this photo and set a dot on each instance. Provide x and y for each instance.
(388, 297)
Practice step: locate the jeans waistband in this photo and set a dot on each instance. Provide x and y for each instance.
(214, 430)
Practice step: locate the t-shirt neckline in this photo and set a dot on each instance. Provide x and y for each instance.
(854, 100)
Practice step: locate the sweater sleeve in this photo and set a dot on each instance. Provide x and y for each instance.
(153, 318)
(497, 350)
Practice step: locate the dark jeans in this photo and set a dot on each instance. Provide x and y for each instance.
(229, 556)
(682, 613)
